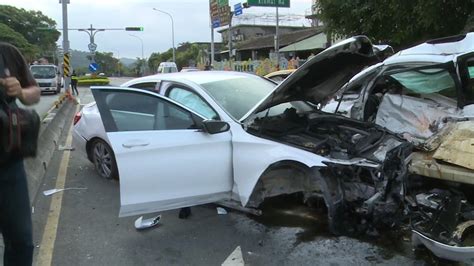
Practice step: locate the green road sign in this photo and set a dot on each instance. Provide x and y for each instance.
(222, 2)
(275, 3)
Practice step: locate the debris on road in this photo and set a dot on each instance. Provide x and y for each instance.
(141, 224)
(221, 211)
(65, 148)
(50, 192)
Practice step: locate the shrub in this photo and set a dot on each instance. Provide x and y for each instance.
(88, 81)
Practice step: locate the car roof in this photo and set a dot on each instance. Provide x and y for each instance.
(196, 77)
(280, 72)
(435, 51)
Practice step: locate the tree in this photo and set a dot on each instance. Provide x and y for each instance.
(187, 55)
(34, 26)
(139, 66)
(400, 23)
(107, 63)
(8, 35)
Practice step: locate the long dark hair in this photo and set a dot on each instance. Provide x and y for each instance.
(16, 64)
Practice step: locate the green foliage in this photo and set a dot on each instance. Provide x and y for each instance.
(139, 67)
(156, 58)
(107, 63)
(398, 22)
(9, 35)
(187, 54)
(31, 24)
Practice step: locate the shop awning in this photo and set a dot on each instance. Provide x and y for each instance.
(317, 41)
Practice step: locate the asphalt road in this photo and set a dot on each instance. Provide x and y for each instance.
(81, 227)
(46, 102)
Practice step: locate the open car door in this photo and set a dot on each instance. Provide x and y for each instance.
(164, 158)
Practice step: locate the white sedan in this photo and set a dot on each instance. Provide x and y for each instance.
(186, 139)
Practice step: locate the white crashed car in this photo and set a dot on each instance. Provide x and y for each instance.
(217, 136)
(233, 138)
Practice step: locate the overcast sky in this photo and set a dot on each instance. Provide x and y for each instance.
(191, 18)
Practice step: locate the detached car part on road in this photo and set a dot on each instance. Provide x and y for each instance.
(232, 137)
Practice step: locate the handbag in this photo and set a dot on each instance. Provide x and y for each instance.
(19, 128)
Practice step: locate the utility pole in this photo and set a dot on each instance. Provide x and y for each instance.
(231, 14)
(143, 56)
(67, 78)
(212, 45)
(93, 31)
(277, 39)
(172, 30)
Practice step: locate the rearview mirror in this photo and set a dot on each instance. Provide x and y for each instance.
(215, 126)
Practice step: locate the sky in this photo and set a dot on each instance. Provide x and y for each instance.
(191, 22)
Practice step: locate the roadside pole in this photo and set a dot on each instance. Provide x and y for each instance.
(66, 69)
(277, 39)
(231, 14)
(212, 45)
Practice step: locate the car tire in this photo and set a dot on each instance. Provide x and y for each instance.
(103, 159)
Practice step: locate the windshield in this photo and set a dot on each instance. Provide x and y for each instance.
(43, 72)
(238, 95)
(167, 69)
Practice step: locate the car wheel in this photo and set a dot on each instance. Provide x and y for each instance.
(104, 159)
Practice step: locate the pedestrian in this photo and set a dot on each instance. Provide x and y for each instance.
(15, 213)
(74, 83)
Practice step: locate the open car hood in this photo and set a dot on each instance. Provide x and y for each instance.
(322, 76)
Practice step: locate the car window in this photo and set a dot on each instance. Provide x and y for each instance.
(193, 101)
(470, 85)
(132, 111)
(149, 86)
(425, 81)
(239, 94)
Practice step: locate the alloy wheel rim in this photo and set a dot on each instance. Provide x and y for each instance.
(102, 160)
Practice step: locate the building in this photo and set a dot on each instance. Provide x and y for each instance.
(300, 43)
(313, 14)
(246, 32)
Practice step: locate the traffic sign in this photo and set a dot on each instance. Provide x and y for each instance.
(92, 47)
(275, 3)
(238, 9)
(93, 67)
(216, 23)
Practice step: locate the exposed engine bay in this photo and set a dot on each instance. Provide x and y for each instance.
(366, 185)
(330, 136)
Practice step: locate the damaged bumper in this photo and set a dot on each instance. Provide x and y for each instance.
(454, 253)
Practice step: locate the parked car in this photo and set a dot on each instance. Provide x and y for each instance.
(279, 76)
(47, 77)
(186, 139)
(189, 69)
(167, 67)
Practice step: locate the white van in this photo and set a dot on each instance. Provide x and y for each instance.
(47, 77)
(167, 67)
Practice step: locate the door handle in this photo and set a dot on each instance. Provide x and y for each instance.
(135, 144)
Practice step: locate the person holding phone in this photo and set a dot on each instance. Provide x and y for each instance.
(16, 82)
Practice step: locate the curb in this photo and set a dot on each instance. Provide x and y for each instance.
(51, 129)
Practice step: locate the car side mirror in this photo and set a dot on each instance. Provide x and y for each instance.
(215, 126)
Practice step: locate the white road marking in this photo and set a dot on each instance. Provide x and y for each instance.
(235, 258)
